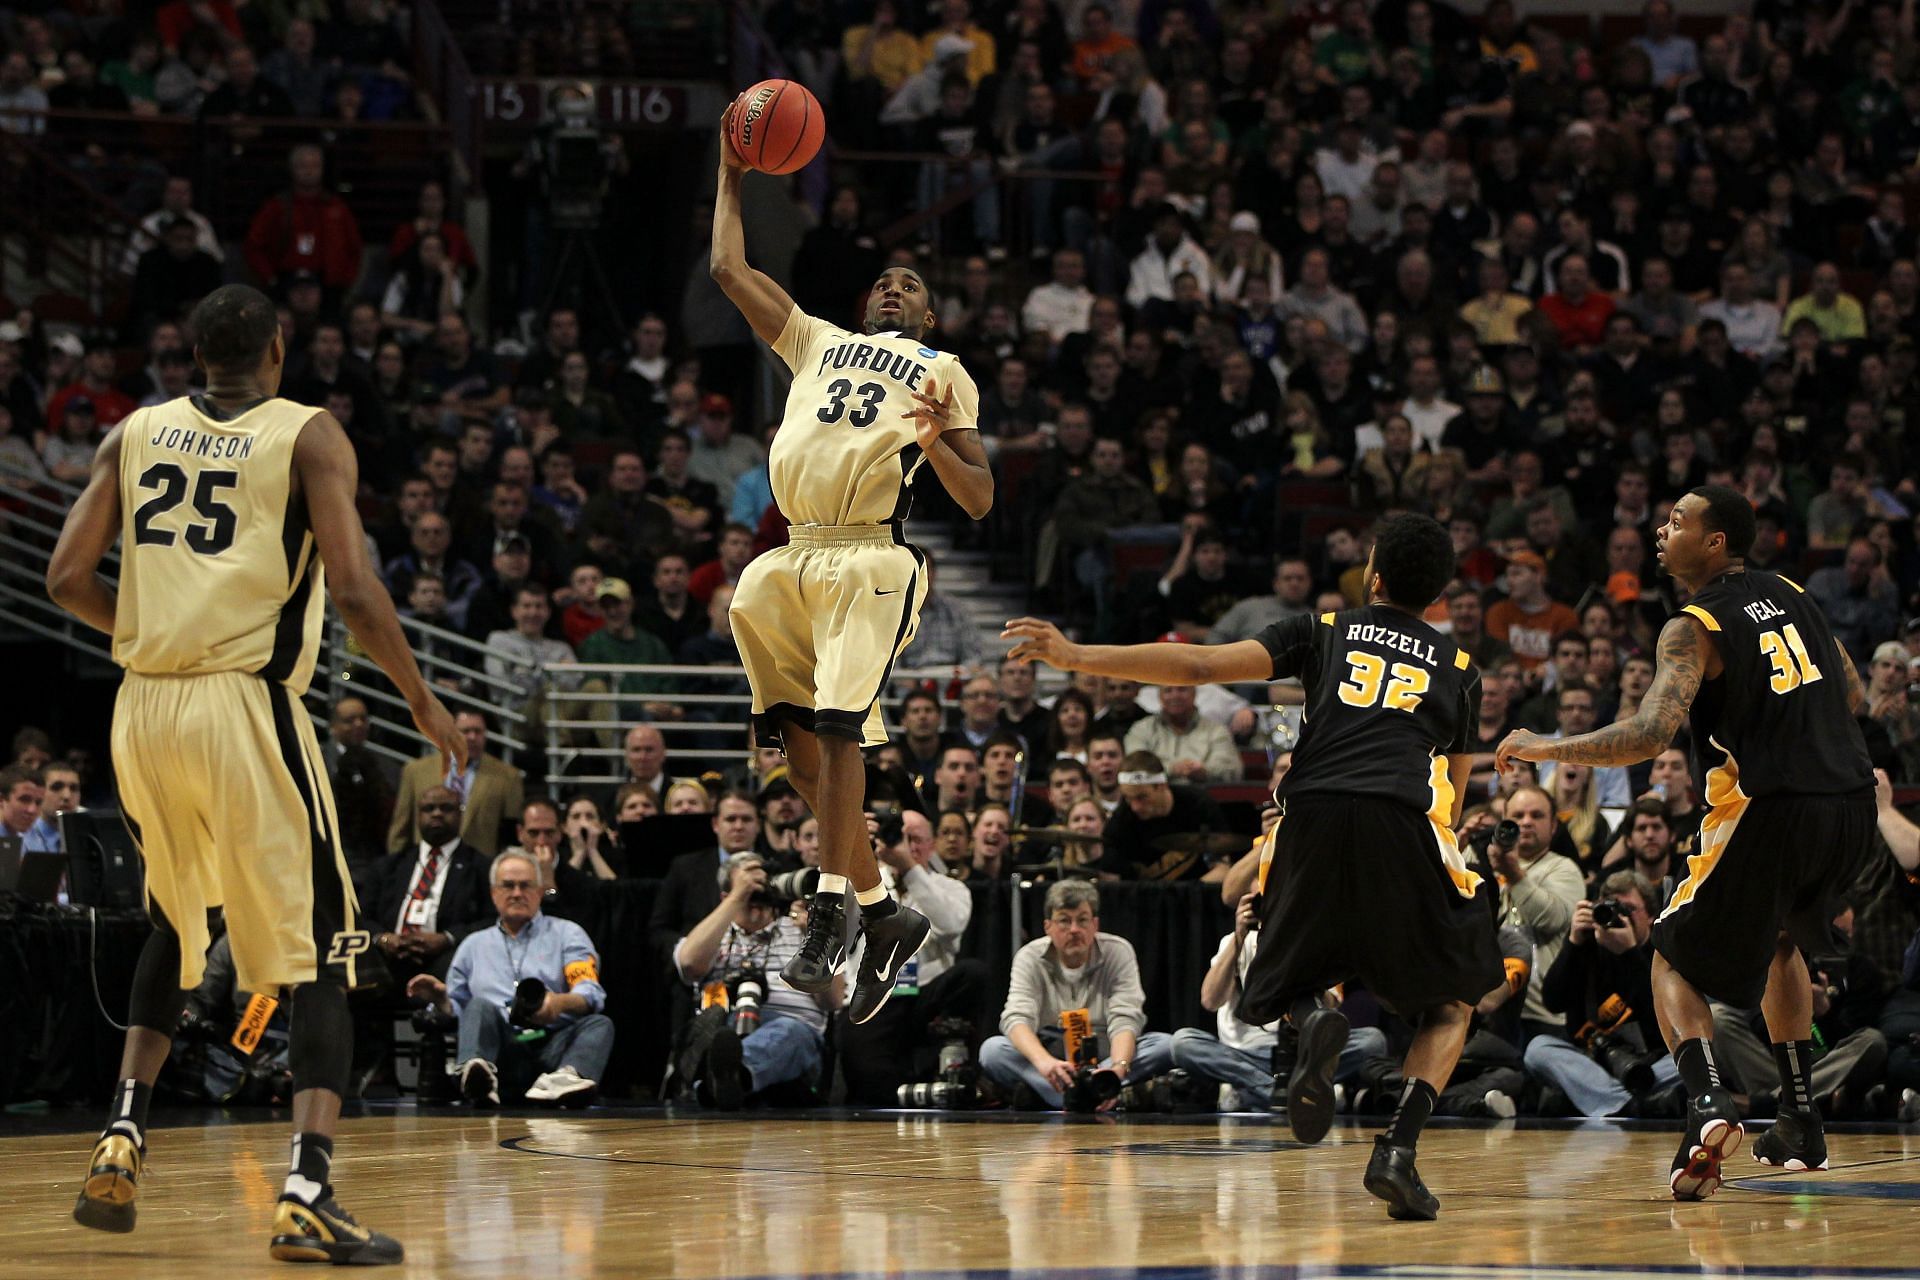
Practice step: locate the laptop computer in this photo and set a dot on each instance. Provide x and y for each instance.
(34, 876)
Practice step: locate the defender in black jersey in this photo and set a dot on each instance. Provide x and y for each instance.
(1362, 877)
(1771, 697)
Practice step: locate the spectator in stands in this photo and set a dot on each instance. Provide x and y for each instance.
(1539, 890)
(1291, 596)
(734, 553)
(363, 783)
(245, 93)
(899, 1044)
(744, 930)
(428, 549)
(493, 789)
(462, 377)
(1021, 715)
(624, 520)
(922, 739)
(1837, 315)
(521, 655)
(1574, 713)
(1090, 507)
(1753, 325)
(176, 201)
(22, 793)
(99, 366)
(559, 339)
(1859, 598)
(1577, 311)
(880, 51)
(946, 636)
(59, 794)
(1155, 808)
(23, 104)
(68, 454)
(581, 411)
(957, 781)
(306, 228)
(1060, 307)
(1196, 749)
(482, 985)
(720, 457)
(1835, 515)
(1528, 619)
(621, 641)
(1076, 966)
(1168, 254)
(422, 902)
(640, 388)
(423, 287)
(1314, 297)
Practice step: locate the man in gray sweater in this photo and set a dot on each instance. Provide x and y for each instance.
(1074, 968)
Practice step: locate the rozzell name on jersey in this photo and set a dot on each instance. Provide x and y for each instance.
(1387, 638)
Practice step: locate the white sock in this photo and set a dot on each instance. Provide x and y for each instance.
(830, 884)
(867, 897)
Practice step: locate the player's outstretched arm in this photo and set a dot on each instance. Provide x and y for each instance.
(760, 299)
(329, 477)
(953, 451)
(1681, 661)
(1856, 691)
(73, 577)
(1036, 640)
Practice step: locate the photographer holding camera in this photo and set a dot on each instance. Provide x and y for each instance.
(528, 996)
(900, 1043)
(1538, 891)
(1075, 972)
(754, 1031)
(1614, 1062)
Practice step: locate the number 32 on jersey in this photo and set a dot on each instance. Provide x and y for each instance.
(1372, 682)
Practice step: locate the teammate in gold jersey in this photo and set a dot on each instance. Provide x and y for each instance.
(237, 505)
(821, 620)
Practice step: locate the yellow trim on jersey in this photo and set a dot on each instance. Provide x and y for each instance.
(1267, 844)
(1327, 618)
(1440, 814)
(1706, 619)
(1726, 804)
(1461, 659)
(1790, 582)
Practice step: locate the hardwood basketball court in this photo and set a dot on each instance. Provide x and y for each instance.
(916, 1195)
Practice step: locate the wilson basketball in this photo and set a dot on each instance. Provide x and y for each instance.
(778, 126)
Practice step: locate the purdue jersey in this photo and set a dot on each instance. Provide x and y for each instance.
(218, 569)
(1777, 719)
(1388, 698)
(844, 454)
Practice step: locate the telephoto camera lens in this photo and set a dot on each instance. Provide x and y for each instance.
(791, 886)
(1507, 833)
(527, 999)
(747, 994)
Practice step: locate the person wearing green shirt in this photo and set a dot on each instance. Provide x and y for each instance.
(1350, 54)
(1837, 315)
(621, 641)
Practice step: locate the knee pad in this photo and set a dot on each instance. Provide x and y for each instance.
(157, 999)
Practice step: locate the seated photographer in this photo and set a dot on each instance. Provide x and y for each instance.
(898, 1044)
(1242, 1056)
(754, 1031)
(1538, 890)
(1152, 808)
(528, 996)
(1077, 971)
(1613, 1062)
(1850, 1050)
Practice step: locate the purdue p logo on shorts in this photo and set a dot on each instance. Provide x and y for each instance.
(346, 945)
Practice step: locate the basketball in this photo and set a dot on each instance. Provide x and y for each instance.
(778, 126)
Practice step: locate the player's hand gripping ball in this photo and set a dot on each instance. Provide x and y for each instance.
(776, 126)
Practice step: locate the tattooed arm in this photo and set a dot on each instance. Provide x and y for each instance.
(1683, 653)
(1856, 692)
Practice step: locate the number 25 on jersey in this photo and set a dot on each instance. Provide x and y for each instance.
(1404, 685)
(1792, 666)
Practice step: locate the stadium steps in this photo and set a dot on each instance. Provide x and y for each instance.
(964, 577)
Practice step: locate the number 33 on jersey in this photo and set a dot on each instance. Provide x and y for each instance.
(845, 454)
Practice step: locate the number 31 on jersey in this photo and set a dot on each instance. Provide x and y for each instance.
(1792, 665)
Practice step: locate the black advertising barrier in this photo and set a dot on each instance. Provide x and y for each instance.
(47, 1003)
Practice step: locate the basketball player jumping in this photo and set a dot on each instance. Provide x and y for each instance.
(820, 621)
(237, 507)
(1362, 876)
(1790, 822)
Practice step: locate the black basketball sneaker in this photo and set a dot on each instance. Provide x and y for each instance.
(106, 1200)
(1796, 1141)
(1392, 1177)
(824, 947)
(892, 940)
(325, 1232)
(1713, 1134)
(1310, 1095)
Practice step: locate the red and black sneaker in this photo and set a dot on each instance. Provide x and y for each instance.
(1713, 1134)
